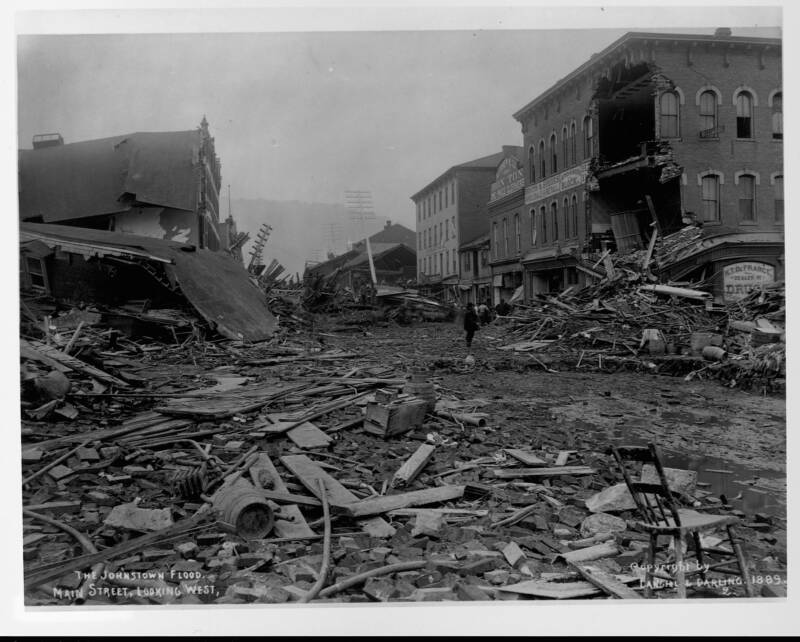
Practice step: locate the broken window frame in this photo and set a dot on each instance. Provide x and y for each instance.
(747, 198)
(40, 272)
(669, 115)
(714, 183)
(744, 115)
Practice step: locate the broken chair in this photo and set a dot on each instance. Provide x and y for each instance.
(661, 516)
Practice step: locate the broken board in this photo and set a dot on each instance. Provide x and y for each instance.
(527, 458)
(53, 354)
(306, 435)
(378, 505)
(606, 582)
(413, 465)
(552, 590)
(289, 521)
(308, 472)
(512, 473)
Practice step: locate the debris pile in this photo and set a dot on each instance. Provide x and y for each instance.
(211, 473)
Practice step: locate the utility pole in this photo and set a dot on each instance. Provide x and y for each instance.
(359, 204)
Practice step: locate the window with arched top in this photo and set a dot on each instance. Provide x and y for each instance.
(777, 116)
(575, 216)
(517, 235)
(505, 236)
(710, 188)
(744, 115)
(542, 168)
(554, 214)
(564, 147)
(747, 198)
(566, 218)
(708, 115)
(531, 164)
(573, 144)
(495, 240)
(533, 226)
(668, 114)
(543, 215)
(588, 137)
(553, 154)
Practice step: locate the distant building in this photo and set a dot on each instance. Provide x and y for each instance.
(655, 131)
(475, 280)
(506, 207)
(391, 233)
(394, 263)
(452, 209)
(156, 184)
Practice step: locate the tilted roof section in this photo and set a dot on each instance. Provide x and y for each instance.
(600, 59)
(105, 176)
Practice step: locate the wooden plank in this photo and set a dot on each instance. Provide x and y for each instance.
(553, 590)
(378, 505)
(27, 351)
(606, 549)
(413, 465)
(606, 582)
(307, 435)
(512, 473)
(526, 457)
(308, 472)
(289, 521)
(76, 364)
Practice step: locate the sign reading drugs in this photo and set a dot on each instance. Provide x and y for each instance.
(573, 177)
(510, 177)
(739, 278)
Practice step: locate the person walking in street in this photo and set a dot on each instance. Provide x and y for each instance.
(470, 322)
(502, 308)
(484, 313)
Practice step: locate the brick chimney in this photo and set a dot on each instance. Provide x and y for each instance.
(722, 32)
(388, 224)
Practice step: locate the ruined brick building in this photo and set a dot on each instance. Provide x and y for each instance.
(654, 132)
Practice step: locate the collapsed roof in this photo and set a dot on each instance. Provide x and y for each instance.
(214, 283)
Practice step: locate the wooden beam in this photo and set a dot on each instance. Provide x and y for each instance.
(378, 505)
(413, 465)
(511, 473)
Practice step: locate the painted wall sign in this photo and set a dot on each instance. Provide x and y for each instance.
(739, 278)
(509, 179)
(573, 177)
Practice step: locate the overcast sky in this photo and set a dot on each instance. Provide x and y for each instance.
(306, 116)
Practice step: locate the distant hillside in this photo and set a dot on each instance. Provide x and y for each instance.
(300, 231)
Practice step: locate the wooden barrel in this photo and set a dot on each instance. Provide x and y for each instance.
(244, 510)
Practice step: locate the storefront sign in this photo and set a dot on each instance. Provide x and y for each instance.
(739, 278)
(569, 179)
(510, 178)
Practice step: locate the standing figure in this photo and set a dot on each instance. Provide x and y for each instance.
(470, 322)
(484, 313)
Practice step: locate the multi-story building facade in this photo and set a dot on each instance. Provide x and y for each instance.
(451, 210)
(652, 133)
(506, 208)
(475, 272)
